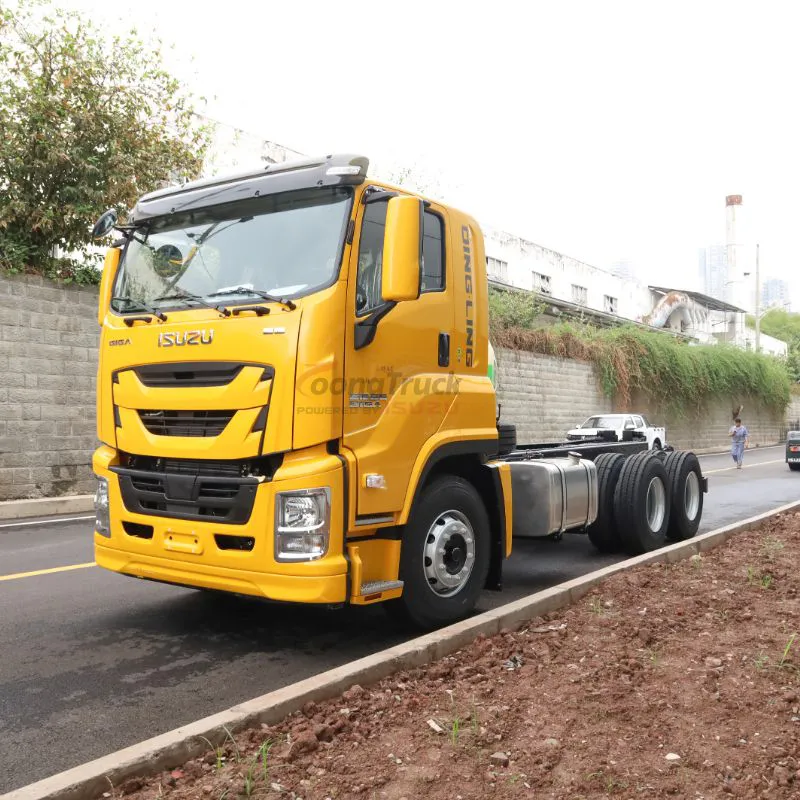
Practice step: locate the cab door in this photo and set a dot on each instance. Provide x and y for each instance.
(398, 384)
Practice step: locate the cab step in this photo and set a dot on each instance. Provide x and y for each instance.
(378, 587)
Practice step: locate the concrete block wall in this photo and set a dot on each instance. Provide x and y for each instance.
(793, 414)
(48, 363)
(546, 396)
(708, 430)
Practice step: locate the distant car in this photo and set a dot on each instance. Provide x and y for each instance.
(625, 426)
(793, 450)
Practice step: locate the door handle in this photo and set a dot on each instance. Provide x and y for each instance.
(444, 349)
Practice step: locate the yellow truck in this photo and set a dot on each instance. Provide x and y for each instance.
(294, 401)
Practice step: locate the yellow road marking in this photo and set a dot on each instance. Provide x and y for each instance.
(45, 571)
(745, 466)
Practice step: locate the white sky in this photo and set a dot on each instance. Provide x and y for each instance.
(604, 130)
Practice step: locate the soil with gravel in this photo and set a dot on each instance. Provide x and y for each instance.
(678, 681)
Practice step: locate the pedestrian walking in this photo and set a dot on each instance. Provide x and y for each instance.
(740, 439)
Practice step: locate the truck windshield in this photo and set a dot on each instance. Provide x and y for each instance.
(601, 422)
(286, 245)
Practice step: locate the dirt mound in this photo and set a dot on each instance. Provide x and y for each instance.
(678, 681)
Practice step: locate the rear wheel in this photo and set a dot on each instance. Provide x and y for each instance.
(603, 533)
(641, 504)
(445, 556)
(686, 495)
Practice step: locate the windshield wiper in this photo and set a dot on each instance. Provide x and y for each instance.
(182, 295)
(138, 305)
(265, 295)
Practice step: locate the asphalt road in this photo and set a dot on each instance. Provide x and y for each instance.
(91, 662)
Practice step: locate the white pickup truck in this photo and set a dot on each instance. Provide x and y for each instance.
(625, 426)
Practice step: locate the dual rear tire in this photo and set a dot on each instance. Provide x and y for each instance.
(646, 501)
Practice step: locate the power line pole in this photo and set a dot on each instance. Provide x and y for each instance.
(758, 306)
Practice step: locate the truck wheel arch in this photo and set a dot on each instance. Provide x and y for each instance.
(467, 460)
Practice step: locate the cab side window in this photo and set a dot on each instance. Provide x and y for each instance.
(432, 253)
(370, 257)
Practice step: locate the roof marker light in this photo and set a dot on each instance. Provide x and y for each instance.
(344, 170)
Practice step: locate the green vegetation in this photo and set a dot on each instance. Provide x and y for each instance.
(514, 309)
(631, 361)
(89, 121)
(783, 325)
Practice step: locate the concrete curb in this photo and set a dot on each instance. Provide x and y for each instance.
(175, 747)
(46, 506)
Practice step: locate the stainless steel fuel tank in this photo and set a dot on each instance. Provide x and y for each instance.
(552, 496)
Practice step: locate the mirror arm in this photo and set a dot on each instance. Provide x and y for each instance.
(382, 195)
(379, 195)
(366, 329)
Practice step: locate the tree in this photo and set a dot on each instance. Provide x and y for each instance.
(87, 122)
(418, 178)
(785, 325)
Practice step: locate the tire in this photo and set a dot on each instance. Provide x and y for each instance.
(641, 504)
(506, 438)
(794, 467)
(603, 533)
(449, 509)
(686, 495)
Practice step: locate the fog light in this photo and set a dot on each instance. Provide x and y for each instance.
(102, 521)
(302, 524)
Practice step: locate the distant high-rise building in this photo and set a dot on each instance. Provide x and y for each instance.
(775, 292)
(713, 266)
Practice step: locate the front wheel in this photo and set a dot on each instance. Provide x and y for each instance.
(444, 560)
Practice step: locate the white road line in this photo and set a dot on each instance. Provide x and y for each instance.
(744, 466)
(44, 522)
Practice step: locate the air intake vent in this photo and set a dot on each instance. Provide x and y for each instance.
(227, 542)
(186, 423)
(195, 373)
(138, 530)
(188, 374)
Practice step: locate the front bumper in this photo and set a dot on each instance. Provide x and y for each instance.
(196, 553)
(273, 586)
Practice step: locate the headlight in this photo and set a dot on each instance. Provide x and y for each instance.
(102, 522)
(302, 524)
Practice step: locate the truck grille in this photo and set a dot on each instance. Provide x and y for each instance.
(186, 423)
(193, 489)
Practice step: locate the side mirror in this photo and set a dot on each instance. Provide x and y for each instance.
(107, 282)
(103, 225)
(402, 250)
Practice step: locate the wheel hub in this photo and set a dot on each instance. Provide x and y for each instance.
(449, 553)
(656, 504)
(691, 495)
